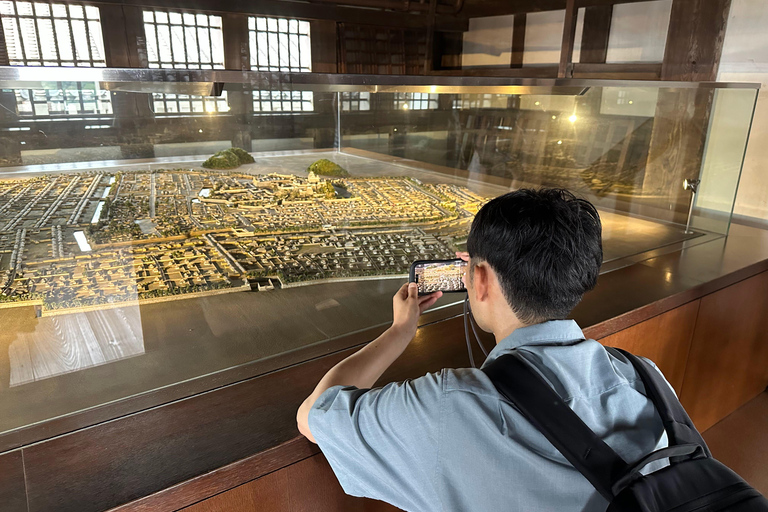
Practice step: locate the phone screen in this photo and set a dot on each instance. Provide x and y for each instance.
(432, 276)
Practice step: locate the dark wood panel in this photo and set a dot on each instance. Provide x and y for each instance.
(267, 493)
(308, 11)
(115, 42)
(734, 258)
(13, 497)
(324, 43)
(740, 442)
(665, 340)
(569, 38)
(518, 41)
(126, 459)
(695, 39)
(122, 460)
(594, 37)
(628, 296)
(307, 486)
(729, 352)
(237, 50)
(230, 476)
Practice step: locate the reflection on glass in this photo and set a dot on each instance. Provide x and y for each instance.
(116, 241)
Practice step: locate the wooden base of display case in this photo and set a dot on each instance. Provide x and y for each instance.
(698, 313)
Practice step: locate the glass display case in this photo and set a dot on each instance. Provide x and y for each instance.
(162, 226)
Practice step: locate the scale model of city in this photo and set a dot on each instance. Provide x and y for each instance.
(90, 239)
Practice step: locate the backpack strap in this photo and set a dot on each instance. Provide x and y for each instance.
(678, 425)
(546, 411)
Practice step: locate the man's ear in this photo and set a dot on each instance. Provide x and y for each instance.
(480, 281)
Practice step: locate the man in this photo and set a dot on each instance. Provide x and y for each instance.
(447, 441)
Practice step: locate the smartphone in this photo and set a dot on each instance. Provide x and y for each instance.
(438, 275)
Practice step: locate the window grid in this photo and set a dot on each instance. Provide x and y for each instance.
(56, 34)
(415, 101)
(280, 44)
(52, 34)
(282, 101)
(466, 101)
(355, 101)
(189, 104)
(183, 40)
(68, 99)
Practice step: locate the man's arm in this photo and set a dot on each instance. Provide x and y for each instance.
(363, 368)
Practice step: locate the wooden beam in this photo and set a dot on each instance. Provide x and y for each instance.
(569, 37)
(695, 39)
(518, 41)
(430, 44)
(548, 71)
(308, 11)
(621, 71)
(124, 41)
(594, 38)
(237, 51)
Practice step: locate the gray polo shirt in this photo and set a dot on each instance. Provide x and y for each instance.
(447, 441)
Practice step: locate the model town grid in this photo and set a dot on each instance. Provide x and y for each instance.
(93, 238)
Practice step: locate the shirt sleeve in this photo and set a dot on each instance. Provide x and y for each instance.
(383, 443)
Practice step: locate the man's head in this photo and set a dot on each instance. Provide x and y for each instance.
(534, 251)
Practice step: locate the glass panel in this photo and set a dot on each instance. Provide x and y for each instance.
(730, 121)
(112, 217)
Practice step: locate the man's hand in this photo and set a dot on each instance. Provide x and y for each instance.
(407, 306)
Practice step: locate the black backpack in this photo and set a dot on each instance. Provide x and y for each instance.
(693, 481)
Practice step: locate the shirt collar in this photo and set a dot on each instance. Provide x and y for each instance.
(552, 332)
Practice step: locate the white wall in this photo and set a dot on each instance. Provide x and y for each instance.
(543, 37)
(488, 42)
(728, 131)
(639, 32)
(745, 59)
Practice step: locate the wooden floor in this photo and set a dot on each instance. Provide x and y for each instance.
(740, 441)
(39, 348)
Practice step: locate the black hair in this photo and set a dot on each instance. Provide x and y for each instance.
(545, 247)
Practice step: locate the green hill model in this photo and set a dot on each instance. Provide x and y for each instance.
(228, 159)
(325, 167)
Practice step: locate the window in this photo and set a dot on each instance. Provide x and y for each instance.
(480, 101)
(56, 34)
(355, 101)
(415, 101)
(52, 34)
(65, 99)
(186, 103)
(184, 40)
(280, 44)
(283, 101)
